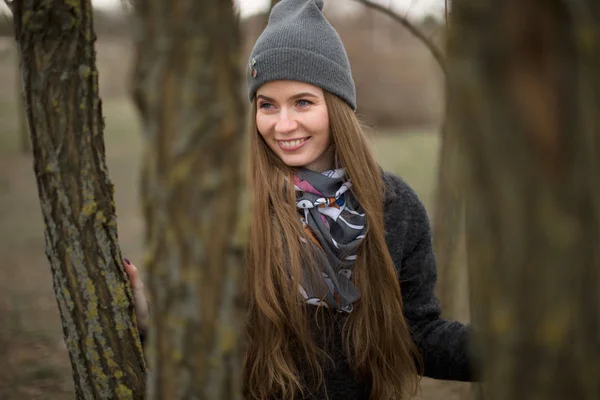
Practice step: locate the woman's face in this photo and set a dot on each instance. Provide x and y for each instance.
(293, 120)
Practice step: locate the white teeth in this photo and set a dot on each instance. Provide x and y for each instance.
(291, 143)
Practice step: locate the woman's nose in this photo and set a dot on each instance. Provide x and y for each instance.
(286, 123)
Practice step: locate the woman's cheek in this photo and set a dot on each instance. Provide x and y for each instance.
(262, 126)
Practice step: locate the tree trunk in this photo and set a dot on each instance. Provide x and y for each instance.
(23, 131)
(449, 244)
(60, 81)
(525, 100)
(187, 88)
(448, 231)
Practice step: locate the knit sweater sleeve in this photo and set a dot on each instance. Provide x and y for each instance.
(444, 345)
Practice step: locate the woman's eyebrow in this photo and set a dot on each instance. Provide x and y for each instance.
(303, 94)
(260, 96)
(294, 97)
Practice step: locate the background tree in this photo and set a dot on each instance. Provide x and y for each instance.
(63, 108)
(24, 140)
(525, 104)
(449, 233)
(188, 91)
(7, 30)
(449, 229)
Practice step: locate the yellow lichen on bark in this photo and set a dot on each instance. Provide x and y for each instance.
(76, 197)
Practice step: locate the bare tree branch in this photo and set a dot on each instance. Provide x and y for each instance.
(435, 51)
(10, 5)
(446, 12)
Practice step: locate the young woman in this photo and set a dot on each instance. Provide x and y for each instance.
(341, 273)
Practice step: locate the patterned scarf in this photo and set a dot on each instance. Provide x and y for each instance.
(335, 223)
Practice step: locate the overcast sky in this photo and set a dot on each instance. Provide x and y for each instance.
(415, 8)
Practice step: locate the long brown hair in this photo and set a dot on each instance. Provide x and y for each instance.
(376, 338)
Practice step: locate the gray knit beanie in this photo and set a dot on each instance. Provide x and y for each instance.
(299, 44)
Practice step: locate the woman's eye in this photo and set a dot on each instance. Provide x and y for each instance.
(303, 103)
(265, 106)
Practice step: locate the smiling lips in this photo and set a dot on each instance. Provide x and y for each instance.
(292, 145)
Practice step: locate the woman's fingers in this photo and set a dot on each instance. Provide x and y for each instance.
(132, 274)
(141, 303)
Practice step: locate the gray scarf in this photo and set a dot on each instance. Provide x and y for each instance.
(336, 225)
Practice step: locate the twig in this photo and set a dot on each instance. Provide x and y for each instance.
(435, 51)
(10, 5)
(446, 12)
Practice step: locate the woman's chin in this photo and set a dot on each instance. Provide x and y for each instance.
(295, 164)
(291, 161)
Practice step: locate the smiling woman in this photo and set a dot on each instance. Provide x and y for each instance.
(293, 120)
(341, 273)
(332, 236)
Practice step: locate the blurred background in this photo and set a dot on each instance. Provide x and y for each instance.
(400, 96)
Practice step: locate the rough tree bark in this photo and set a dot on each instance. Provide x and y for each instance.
(62, 104)
(187, 88)
(525, 101)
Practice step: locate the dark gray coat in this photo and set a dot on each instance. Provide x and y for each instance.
(444, 345)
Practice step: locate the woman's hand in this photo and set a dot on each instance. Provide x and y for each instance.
(139, 297)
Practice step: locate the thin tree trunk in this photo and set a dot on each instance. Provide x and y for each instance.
(525, 100)
(449, 244)
(449, 231)
(23, 131)
(187, 88)
(62, 104)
